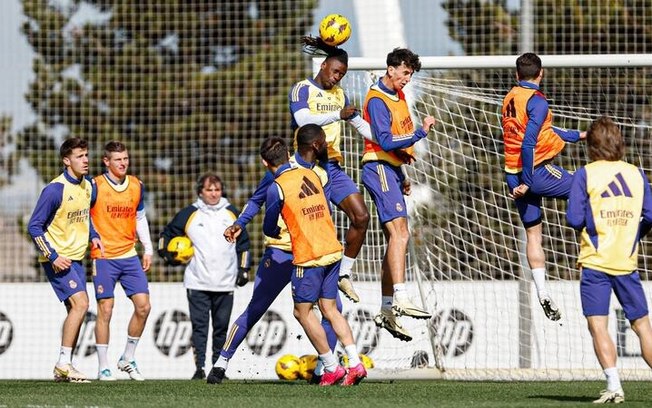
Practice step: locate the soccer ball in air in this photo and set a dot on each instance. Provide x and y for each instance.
(288, 367)
(308, 365)
(182, 246)
(334, 29)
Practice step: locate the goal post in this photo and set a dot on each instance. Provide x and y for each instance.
(466, 261)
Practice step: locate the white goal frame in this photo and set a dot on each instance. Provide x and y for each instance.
(438, 369)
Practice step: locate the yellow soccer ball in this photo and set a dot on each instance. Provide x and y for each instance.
(308, 364)
(366, 361)
(182, 246)
(335, 29)
(288, 367)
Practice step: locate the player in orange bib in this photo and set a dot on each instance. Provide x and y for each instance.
(118, 213)
(531, 143)
(298, 196)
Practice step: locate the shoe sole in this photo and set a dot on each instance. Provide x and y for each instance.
(551, 314)
(352, 297)
(413, 314)
(396, 334)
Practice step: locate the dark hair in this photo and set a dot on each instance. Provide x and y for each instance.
(307, 134)
(114, 146)
(71, 144)
(400, 56)
(274, 151)
(212, 178)
(604, 140)
(528, 66)
(317, 47)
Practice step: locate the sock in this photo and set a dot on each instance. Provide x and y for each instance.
(346, 264)
(65, 356)
(352, 354)
(539, 277)
(400, 292)
(102, 351)
(387, 302)
(330, 362)
(222, 362)
(319, 368)
(130, 348)
(613, 380)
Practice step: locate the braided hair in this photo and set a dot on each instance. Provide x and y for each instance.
(315, 46)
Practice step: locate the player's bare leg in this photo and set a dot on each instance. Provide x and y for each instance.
(398, 236)
(102, 336)
(537, 261)
(77, 306)
(643, 330)
(605, 350)
(358, 215)
(135, 329)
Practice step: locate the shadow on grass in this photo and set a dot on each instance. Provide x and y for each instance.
(562, 398)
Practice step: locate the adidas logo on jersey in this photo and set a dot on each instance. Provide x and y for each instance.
(308, 188)
(71, 198)
(617, 188)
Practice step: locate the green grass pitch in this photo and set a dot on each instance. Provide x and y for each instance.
(298, 394)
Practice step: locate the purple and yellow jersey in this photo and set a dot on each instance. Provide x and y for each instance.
(257, 200)
(113, 211)
(307, 94)
(60, 223)
(607, 201)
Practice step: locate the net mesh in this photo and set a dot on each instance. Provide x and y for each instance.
(465, 228)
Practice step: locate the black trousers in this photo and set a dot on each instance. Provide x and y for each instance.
(203, 306)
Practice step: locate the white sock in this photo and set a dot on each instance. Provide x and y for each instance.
(330, 362)
(346, 264)
(539, 277)
(130, 348)
(319, 368)
(222, 362)
(352, 354)
(387, 302)
(65, 356)
(613, 380)
(102, 356)
(400, 292)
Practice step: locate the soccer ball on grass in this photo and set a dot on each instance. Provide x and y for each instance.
(288, 367)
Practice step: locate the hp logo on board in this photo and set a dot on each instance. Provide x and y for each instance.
(268, 336)
(365, 332)
(86, 341)
(455, 330)
(172, 332)
(6, 332)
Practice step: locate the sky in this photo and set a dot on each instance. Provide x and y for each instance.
(15, 65)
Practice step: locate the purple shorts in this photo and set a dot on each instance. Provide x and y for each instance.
(66, 283)
(310, 284)
(548, 180)
(595, 291)
(128, 271)
(385, 184)
(341, 185)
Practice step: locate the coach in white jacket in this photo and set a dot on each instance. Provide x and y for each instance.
(214, 270)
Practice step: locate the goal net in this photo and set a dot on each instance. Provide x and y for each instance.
(467, 263)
